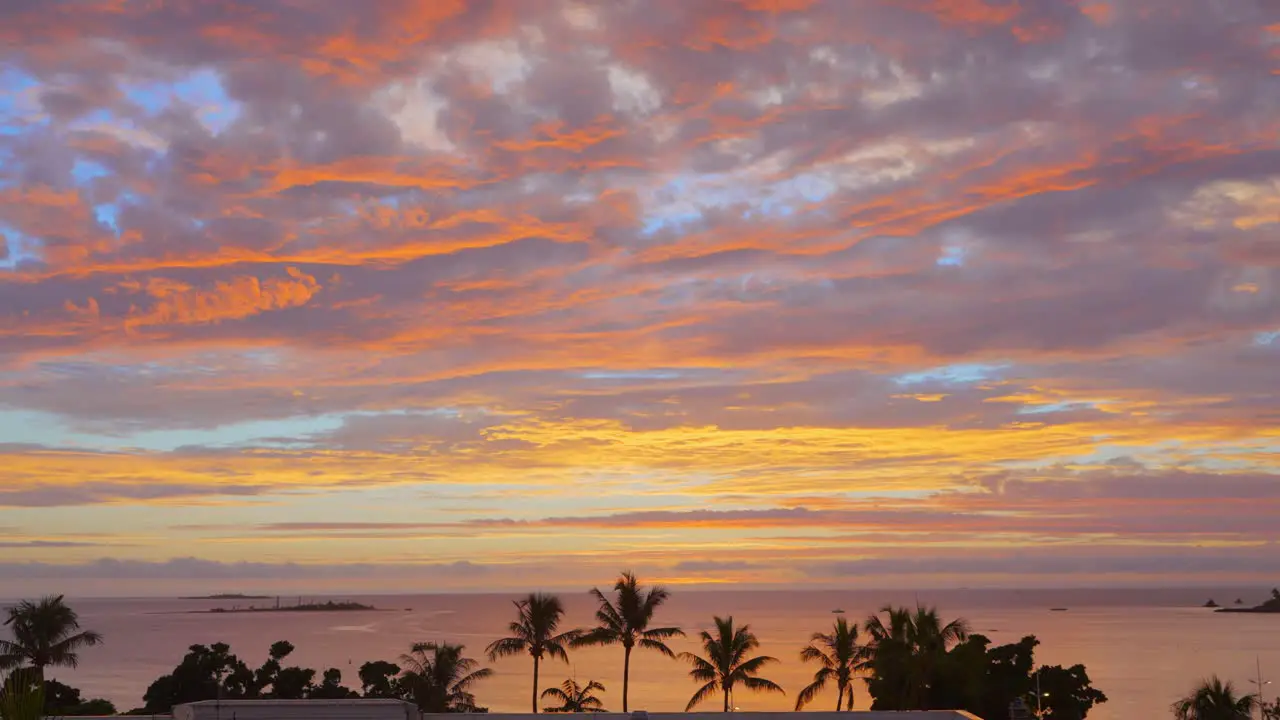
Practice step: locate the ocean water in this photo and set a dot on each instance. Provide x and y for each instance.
(1142, 647)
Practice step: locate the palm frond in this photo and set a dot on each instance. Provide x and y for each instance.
(663, 633)
(556, 694)
(64, 651)
(606, 614)
(1214, 698)
(811, 691)
(11, 655)
(812, 653)
(753, 666)
(474, 677)
(597, 636)
(703, 693)
(656, 596)
(656, 645)
(702, 670)
(506, 647)
(756, 684)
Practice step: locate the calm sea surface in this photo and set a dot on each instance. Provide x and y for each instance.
(1143, 648)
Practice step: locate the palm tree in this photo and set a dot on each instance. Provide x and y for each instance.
(439, 678)
(904, 652)
(841, 657)
(1215, 700)
(726, 664)
(625, 622)
(44, 633)
(535, 632)
(931, 635)
(890, 656)
(575, 698)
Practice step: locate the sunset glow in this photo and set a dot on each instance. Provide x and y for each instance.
(428, 295)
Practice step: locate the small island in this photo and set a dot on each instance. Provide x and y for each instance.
(1211, 604)
(329, 606)
(1270, 606)
(226, 596)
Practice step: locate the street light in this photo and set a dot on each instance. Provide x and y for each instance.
(1039, 696)
(1257, 679)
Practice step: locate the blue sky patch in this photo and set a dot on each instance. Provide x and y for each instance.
(952, 256)
(684, 199)
(83, 171)
(201, 89)
(962, 373)
(31, 426)
(1055, 407)
(108, 214)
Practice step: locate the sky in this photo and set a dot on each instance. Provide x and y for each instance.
(434, 295)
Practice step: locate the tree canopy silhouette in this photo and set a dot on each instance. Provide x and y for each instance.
(1214, 699)
(46, 632)
(575, 698)
(840, 657)
(726, 664)
(439, 678)
(905, 650)
(625, 621)
(534, 632)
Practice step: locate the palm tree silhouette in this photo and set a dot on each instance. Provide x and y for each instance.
(841, 657)
(726, 664)
(439, 678)
(44, 633)
(575, 698)
(1215, 700)
(535, 632)
(906, 650)
(626, 621)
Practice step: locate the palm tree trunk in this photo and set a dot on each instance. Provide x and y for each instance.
(726, 699)
(839, 696)
(626, 675)
(535, 684)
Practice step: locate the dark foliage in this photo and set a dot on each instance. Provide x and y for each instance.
(212, 672)
(984, 680)
(331, 688)
(63, 700)
(378, 679)
(575, 698)
(438, 678)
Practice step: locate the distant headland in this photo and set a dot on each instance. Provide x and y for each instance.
(226, 596)
(329, 606)
(1270, 606)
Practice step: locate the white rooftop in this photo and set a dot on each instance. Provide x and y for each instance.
(359, 709)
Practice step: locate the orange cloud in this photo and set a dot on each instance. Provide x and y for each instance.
(969, 12)
(180, 304)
